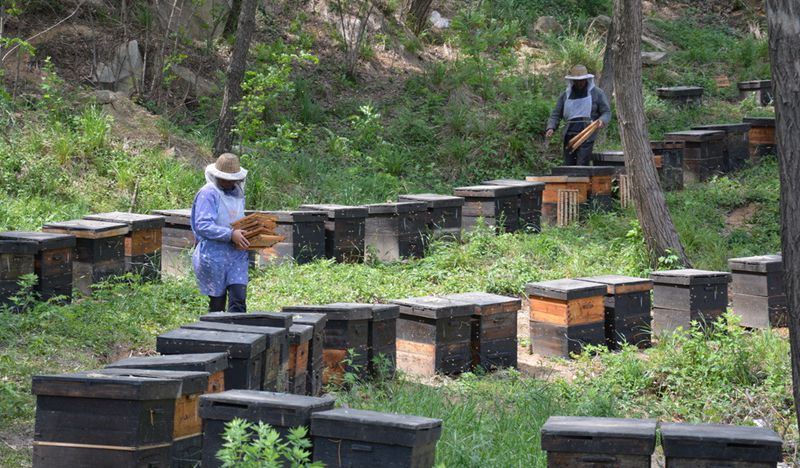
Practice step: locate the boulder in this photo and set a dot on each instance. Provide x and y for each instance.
(198, 86)
(197, 19)
(653, 58)
(547, 25)
(601, 23)
(123, 72)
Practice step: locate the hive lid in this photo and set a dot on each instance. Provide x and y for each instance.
(755, 84)
(434, 200)
(339, 211)
(721, 442)
(618, 284)
(725, 127)
(275, 409)
(336, 311)
(104, 386)
(584, 171)
(372, 426)
(558, 179)
(690, 276)
(759, 264)
(760, 121)
(271, 333)
(192, 383)
(599, 435)
(135, 221)
(382, 312)
(257, 319)
(525, 185)
(396, 207)
(200, 362)
(295, 216)
(86, 229)
(695, 136)
(565, 289)
(237, 345)
(178, 217)
(18, 247)
(300, 333)
(487, 191)
(680, 91)
(44, 240)
(482, 299)
(433, 307)
(316, 319)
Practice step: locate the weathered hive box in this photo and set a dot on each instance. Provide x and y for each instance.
(759, 297)
(670, 156)
(300, 337)
(280, 410)
(681, 296)
(395, 230)
(316, 362)
(434, 335)
(493, 328)
(444, 214)
(304, 237)
(498, 205)
(177, 241)
(16, 261)
(565, 315)
(187, 427)
(737, 144)
(600, 182)
(554, 184)
(347, 327)
(245, 350)
(610, 158)
(52, 262)
(91, 419)
(346, 437)
(627, 307)
(761, 136)
(382, 340)
(761, 88)
(681, 94)
(344, 231)
(99, 251)
(530, 201)
(703, 153)
(586, 442)
(272, 374)
(713, 445)
(215, 364)
(142, 243)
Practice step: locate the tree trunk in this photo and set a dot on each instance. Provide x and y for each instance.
(651, 206)
(233, 18)
(419, 11)
(606, 82)
(783, 18)
(233, 84)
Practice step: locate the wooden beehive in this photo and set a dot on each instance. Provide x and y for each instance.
(627, 307)
(187, 428)
(761, 136)
(600, 183)
(304, 237)
(142, 242)
(587, 442)
(669, 162)
(344, 231)
(316, 362)
(215, 364)
(347, 437)
(565, 315)
(434, 336)
(52, 262)
(530, 202)
(17, 259)
(759, 297)
(554, 184)
(761, 88)
(683, 296)
(737, 144)
(280, 410)
(497, 205)
(271, 373)
(444, 214)
(245, 350)
(703, 153)
(395, 230)
(99, 251)
(494, 328)
(681, 94)
(91, 419)
(382, 338)
(300, 337)
(713, 445)
(177, 241)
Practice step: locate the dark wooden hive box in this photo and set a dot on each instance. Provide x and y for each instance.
(142, 243)
(670, 153)
(395, 230)
(565, 315)
(703, 153)
(17, 259)
(344, 231)
(761, 136)
(434, 335)
(52, 262)
(316, 362)
(280, 410)
(610, 158)
(598, 442)
(759, 295)
(347, 327)
(382, 339)
(530, 201)
(736, 151)
(494, 328)
(215, 364)
(762, 88)
(498, 205)
(304, 237)
(102, 418)
(627, 307)
(177, 240)
(273, 373)
(245, 350)
(600, 180)
(348, 438)
(300, 341)
(682, 296)
(681, 94)
(444, 213)
(714, 445)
